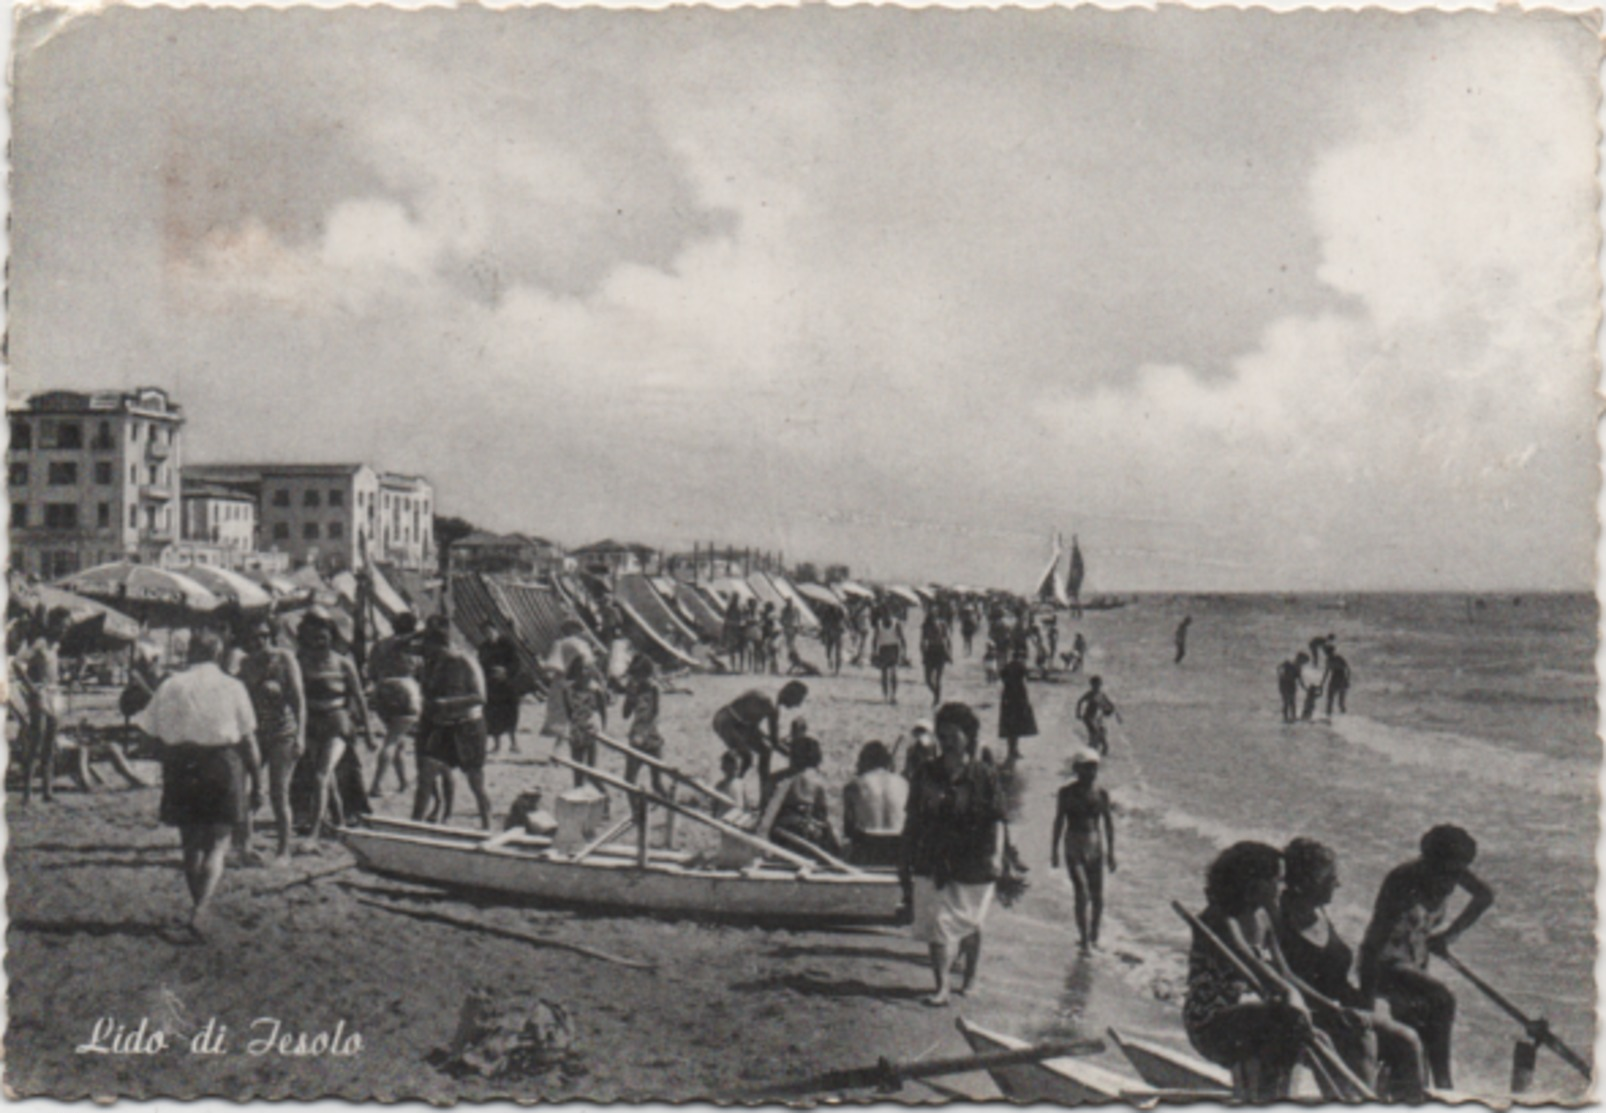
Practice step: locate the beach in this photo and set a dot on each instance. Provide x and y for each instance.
(1485, 719)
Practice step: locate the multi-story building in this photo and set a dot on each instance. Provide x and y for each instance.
(224, 516)
(330, 515)
(93, 477)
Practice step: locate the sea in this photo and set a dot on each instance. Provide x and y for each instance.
(1479, 711)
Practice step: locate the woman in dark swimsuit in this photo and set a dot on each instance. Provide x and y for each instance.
(334, 698)
(272, 676)
(1321, 959)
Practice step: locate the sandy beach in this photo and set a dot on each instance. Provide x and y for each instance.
(95, 894)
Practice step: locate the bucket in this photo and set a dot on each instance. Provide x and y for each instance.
(581, 813)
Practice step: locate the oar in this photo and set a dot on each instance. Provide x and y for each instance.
(719, 825)
(887, 1075)
(808, 847)
(603, 839)
(665, 767)
(1328, 1057)
(1538, 1029)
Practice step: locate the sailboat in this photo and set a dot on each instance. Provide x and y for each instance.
(1050, 589)
(1073, 577)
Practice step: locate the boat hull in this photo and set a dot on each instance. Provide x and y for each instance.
(1168, 1069)
(1063, 1081)
(527, 870)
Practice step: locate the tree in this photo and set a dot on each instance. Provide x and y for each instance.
(806, 573)
(836, 573)
(447, 531)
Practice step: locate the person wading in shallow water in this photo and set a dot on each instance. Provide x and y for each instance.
(204, 719)
(1082, 820)
(1092, 709)
(1182, 637)
(1405, 933)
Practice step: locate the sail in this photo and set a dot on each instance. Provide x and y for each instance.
(1049, 589)
(1073, 578)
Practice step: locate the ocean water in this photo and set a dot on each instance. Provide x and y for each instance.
(1480, 715)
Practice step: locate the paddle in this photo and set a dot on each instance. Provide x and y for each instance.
(1326, 1055)
(665, 767)
(1538, 1029)
(887, 1075)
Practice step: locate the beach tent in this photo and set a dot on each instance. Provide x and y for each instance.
(729, 586)
(702, 611)
(904, 593)
(478, 607)
(386, 597)
(637, 591)
(764, 588)
(808, 621)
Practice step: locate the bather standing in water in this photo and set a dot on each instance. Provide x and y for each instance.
(1084, 829)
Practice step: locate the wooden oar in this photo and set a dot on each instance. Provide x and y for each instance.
(1328, 1057)
(719, 825)
(808, 847)
(887, 1075)
(665, 767)
(1538, 1029)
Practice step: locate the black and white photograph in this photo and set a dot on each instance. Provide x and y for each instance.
(793, 555)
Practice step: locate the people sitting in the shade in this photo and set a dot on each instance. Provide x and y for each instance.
(873, 808)
(799, 813)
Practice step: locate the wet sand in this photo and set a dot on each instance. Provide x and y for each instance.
(95, 896)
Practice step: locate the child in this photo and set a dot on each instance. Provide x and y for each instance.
(583, 705)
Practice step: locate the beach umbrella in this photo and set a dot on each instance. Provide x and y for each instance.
(904, 593)
(846, 588)
(231, 587)
(821, 594)
(158, 592)
(80, 611)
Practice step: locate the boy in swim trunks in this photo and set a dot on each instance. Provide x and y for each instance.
(1082, 826)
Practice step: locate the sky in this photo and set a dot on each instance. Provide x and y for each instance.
(1245, 301)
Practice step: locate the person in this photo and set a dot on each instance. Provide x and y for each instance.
(1336, 681)
(1051, 634)
(887, 650)
(934, 654)
(831, 637)
(739, 810)
(451, 732)
(572, 645)
(1259, 1040)
(640, 707)
(791, 620)
(1085, 831)
(1310, 681)
(1288, 687)
(1078, 654)
(393, 665)
(586, 711)
(1318, 646)
(769, 641)
(334, 699)
(1182, 637)
(859, 618)
(873, 806)
(272, 679)
(1405, 931)
(953, 848)
(1016, 719)
(1092, 710)
(207, 728)
(1320, 958)
(750, 727)
(968, 626)
(731, 636)
(41, 671)
(799, 811)
(499, 661)
(797, 665)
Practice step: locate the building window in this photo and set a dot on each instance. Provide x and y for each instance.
(156, 474)
(103, 437)
(281, 497)
(103, 472)
(335, 531)
(281, 531)
(133, 517)
(337, 498)
(17, 475)
(63, 473)
(21, 435)
(309, 498)
(133, 473)
(61, 515)
(19, 515)
(69, 434)
(309, 531)
(103, 515)
(133, 431)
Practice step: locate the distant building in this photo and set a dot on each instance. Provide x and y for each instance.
(93, 477)
(609, 558)
(328, 515)
(225, 516)
(511, 553)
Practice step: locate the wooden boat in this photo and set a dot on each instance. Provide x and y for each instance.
(1167, 1069)
(1063, 1081)
(526, 867)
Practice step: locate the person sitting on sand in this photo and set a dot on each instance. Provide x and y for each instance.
(1259, 1040)
(1318, 956)
(1083, 827)
(799, 812)
(797, 666)
(873, 806)
(204, 720)
(1404, 934)
(1092, 710)
(750, 727)
(953, 848)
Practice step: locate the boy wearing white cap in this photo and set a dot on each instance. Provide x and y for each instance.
(1082, 826)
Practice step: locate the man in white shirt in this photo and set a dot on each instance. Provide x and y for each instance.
(204, 720)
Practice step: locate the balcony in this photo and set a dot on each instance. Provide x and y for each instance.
(157, 450)
(156, 492)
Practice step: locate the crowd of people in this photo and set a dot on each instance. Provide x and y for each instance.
(1313, 671)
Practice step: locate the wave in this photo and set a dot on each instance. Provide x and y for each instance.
(1449, 753)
